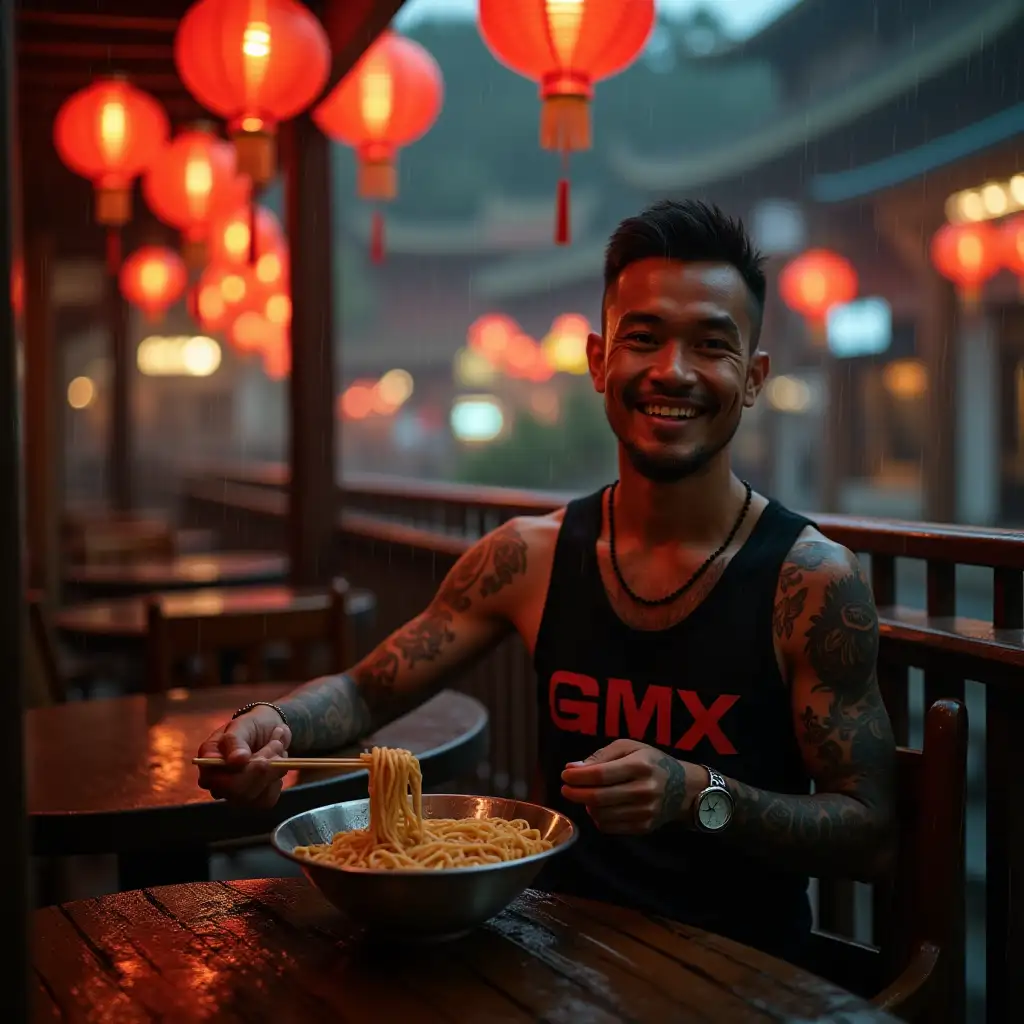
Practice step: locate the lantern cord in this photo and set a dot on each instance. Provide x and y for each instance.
(562, 231)
(377, 237)
(113, 251)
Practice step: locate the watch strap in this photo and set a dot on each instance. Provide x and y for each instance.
(715, 779)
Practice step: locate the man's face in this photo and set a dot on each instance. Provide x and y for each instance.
(675, 366)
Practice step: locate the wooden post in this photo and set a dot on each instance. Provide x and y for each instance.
(14, 895)
(42, 446)
(313, 502)
(119, 464)
(937, 348)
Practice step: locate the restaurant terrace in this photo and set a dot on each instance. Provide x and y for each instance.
(272, 365)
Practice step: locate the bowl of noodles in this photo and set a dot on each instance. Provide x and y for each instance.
(413, 866)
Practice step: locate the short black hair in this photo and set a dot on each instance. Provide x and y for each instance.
(692, 231)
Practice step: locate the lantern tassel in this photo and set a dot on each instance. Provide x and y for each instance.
(377, 237)
(113, 251)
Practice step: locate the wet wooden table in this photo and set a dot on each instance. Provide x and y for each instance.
(184, 572)
(119, 624)
(114, 776)
(277, 951)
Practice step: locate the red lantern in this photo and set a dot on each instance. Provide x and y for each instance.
(388, 100)
(277, 356)
(566, 46)
(110, 132)
(254, 63)
(968, 255)
(1012, 237)
(153, 278)
(230, 237)
(814, 282)
(253, 332)
(194, 181)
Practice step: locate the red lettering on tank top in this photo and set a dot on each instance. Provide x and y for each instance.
(574, 715)
(656, 703)
(705, 722)
(575, 702)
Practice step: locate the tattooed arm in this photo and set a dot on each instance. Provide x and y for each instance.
(826, 633)
(471, 613)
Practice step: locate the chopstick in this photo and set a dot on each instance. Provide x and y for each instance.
(290, 762)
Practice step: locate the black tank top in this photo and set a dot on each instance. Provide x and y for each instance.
(707, 690)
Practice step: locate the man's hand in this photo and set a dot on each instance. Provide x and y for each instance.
(247, 744)
(631, 789)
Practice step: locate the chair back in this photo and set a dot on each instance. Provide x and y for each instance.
(911, 973)
(46, 680)
(189, 649)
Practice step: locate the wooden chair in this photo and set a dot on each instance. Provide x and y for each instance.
(907, 976)
(52, 676)
(206, 636)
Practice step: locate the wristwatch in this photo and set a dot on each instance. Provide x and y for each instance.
(713, 807)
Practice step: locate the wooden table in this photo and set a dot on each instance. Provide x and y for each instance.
(119, 623)
(113, 776)
(215, 569)
(277, 951)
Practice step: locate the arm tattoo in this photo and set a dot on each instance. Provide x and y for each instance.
(846, 826)
(326, 714)
(332, 712)
(674, 798)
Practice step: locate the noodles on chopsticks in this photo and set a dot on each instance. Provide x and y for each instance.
(400, 837)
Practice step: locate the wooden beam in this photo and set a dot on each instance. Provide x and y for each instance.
(313, 502)
(41, 440)
(15, 965)
(352, 25)
(101, 22)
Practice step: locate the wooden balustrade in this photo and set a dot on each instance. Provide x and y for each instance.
(400, 537)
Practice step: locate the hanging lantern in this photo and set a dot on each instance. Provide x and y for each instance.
(153, 278)
(388, 100)
(1011, 235)
(968, 255)
(566, 46)
(230, 237)
(255, 63)
(251, 331)
(221, 294)
(110, 132)
(813, 283)
(277, 356)
(194, 181)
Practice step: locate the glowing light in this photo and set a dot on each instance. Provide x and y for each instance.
(788, 394)
(395, 387)
(565, 345)
(477, 419)
(473, 369)
(905, 378)
(278, 310)
(81, 393)
(996, 201)
(197, 356)
(358, 400)
(269, 268)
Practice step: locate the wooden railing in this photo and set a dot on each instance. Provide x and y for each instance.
(400, 537)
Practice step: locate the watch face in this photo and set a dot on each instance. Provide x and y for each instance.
(714, 811)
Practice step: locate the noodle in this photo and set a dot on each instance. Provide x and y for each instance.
(400, 837)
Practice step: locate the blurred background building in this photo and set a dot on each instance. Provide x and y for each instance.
(859, 127)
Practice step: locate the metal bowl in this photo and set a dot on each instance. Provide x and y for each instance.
(415, 904)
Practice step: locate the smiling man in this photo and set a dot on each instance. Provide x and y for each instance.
(703, 654)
